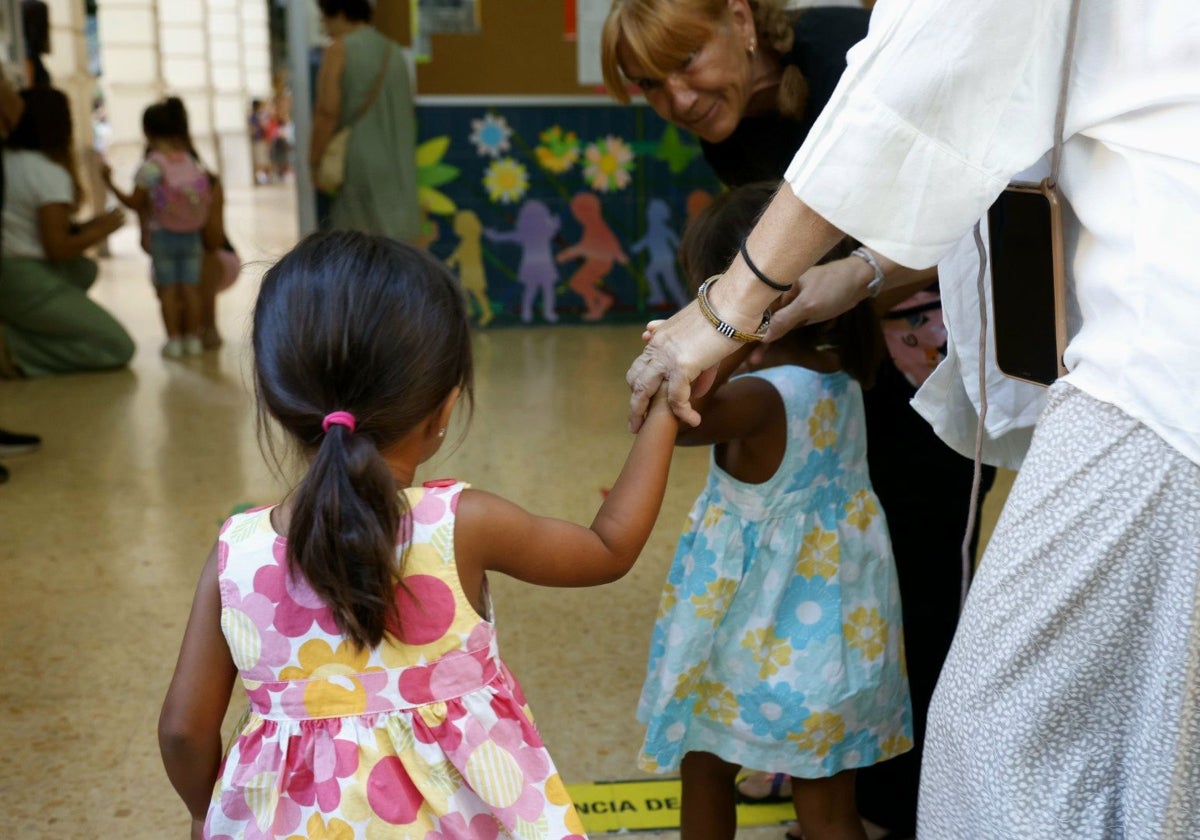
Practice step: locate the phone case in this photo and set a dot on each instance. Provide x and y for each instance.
(1006, 332)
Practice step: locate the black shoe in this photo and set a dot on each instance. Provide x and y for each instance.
(14, 443)
(3, 473)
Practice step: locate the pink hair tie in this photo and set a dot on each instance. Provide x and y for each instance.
(339, 418)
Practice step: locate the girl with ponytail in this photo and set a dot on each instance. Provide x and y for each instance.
(356, 611)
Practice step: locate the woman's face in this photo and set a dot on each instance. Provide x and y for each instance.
(709, 92)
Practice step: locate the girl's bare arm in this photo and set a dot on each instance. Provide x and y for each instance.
(189, 726)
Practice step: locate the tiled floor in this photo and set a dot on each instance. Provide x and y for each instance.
(103, 533)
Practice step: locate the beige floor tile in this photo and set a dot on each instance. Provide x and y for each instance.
(103, 533)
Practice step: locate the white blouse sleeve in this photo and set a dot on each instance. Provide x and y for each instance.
(940, 105)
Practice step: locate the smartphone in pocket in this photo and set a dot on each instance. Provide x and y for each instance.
(1029, 285)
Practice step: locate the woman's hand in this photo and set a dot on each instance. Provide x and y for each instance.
(823, 292)
(679, 351)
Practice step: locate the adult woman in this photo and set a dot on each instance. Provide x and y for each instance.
(362, 69)
(1067, 705)
(50, 325)
(750, 79)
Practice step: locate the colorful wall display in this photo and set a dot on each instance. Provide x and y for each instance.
(555, 213)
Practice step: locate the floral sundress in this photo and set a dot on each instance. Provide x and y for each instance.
(778, 644)
(426, 736)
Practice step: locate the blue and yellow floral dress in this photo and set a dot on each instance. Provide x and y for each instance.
(778, 643)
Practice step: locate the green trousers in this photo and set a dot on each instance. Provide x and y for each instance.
(51, 325)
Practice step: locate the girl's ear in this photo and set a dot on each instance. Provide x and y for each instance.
(439, 421)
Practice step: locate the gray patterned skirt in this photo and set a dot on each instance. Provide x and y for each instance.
(1069, 706)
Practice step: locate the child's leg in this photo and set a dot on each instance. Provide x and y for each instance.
(210, 276)
(193, 310)
(171, 299)
(709, 807)
(825, 808)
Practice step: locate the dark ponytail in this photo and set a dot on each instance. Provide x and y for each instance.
(362, 324)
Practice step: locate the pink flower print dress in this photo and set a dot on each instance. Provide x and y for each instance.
(426, 736)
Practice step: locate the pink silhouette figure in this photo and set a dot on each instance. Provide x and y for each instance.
(534, 231)
(599, 249)
(696, 201)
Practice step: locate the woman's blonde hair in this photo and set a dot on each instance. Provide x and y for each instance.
(661, 34)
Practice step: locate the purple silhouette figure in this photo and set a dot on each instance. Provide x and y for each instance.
(662, 243)
(534, 231)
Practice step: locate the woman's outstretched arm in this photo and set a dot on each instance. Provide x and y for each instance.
(788, 239)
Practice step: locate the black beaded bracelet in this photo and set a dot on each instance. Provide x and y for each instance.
(779, 287)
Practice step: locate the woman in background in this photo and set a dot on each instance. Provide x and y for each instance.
(379, 194)
(50, 324)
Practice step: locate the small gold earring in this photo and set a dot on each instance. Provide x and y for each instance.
(753, 44)
(442, 432)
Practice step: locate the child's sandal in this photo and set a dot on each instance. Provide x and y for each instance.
(750, 789)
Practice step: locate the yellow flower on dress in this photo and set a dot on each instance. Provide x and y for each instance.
(717, 597)
(867, 632)
(716, 701)
(686, 685)
(667, 602)
(819, 554)
(332, 674)
(556, 794)
(769, 651)
(506, 180)
(861, 509)
(318, 829)
(712, 515)
(820, 424)
(821, 731)
(894, 745)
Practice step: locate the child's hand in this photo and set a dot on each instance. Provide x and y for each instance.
(111, 221)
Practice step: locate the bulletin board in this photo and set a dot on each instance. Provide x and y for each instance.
(522, 48)
(551, 202)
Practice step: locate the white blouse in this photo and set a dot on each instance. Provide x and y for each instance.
(944, 101)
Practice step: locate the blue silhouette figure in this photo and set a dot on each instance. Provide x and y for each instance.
(661, 242)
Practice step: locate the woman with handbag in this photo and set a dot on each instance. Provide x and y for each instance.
(363, 146)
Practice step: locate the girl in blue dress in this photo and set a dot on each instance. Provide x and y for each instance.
(778, 643)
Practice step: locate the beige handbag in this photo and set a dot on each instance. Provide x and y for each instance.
(331, 171)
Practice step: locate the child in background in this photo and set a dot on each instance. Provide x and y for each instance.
(173, 190)
(778, 642)
(357, 610)
(261, 136)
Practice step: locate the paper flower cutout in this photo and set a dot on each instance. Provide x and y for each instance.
(506, 180)
(609, 161)
(558, 151)
(490, 135)
(432, 173)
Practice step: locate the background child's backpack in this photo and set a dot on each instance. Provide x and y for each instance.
(181, 194)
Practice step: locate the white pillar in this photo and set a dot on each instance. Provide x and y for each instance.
(68, 64)
(132, 75)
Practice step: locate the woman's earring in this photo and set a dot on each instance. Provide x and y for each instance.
(442, 432)
(753, 44)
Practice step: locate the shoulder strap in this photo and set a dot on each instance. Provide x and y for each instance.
(370, 100)
(1060, 117)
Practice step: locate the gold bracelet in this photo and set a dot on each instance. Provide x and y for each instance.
(723, 328)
